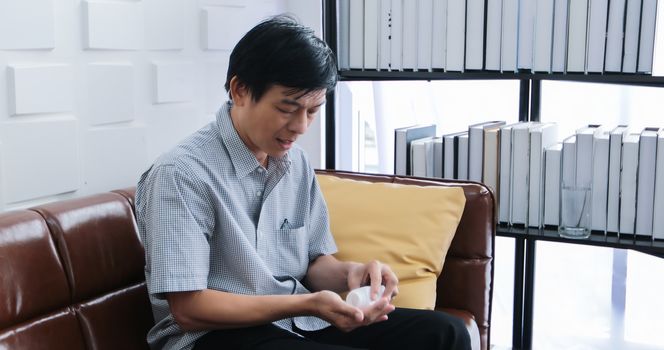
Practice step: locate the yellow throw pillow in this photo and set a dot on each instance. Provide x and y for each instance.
(408, 227)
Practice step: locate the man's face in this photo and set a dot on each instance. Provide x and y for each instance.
(271, 125)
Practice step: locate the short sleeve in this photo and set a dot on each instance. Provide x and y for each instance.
(175, 219)
(322, 241)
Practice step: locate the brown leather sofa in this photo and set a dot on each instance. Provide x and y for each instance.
(71, 272)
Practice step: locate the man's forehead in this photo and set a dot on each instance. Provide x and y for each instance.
(303, 97)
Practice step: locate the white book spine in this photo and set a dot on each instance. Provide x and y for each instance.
(584, 158)
(371, 19)
(475, 34)
(631, 45)
(559, 55)
(509, 36)
(552, 185)
(385, 35)
(597, 35)
(658, 207)
(448, 158)
(613, 194)
(456, 35)
(645, 186)
(424, 32)
(475, 153)
(356, 35)
(439, 34)
(543, 41)
(493, 33)
(628, 172)
(600, 182)
(577, 35)
(526, 29)
(520, 175)
(409, 58)
(491, 160)
(344, 33)
(647, 39)
(438, 157)
(614, 36)
(541, 137)
(505, 174)
(396, 41)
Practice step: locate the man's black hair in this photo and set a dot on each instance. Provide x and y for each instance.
(282, 51)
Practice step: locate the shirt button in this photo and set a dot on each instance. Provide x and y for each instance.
(258, 193)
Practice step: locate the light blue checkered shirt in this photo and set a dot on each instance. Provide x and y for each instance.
(210, 216)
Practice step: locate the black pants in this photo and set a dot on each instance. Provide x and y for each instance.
(405, 329)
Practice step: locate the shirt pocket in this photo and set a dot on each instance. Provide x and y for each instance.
(291, 253)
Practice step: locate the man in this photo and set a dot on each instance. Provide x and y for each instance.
(236, 233)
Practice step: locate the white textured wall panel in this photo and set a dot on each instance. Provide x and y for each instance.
(113, 25)
(40, 88)
(110, 89)
(174, 81)
(215, 78)
(27, 24)
(114, 158)
(164, 24)
(40, 158)
(224, 2)
(223, 26)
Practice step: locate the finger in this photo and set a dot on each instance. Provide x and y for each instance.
(376, 278)
(391, 282)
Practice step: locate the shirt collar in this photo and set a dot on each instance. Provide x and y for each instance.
(244, 161)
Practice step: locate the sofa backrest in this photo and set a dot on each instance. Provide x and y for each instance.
(466, 282)
(71, 276)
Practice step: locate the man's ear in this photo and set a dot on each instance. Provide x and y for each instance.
(239, 92)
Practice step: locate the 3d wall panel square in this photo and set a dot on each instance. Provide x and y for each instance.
(40, 88)
(174, 81)
(26, 24)
(215, 78)
(110, 89)
(164, 24)
(114, 158)
(39, 158)
(113, 25)
(223, 26)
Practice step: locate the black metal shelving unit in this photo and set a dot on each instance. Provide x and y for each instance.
(529, 110)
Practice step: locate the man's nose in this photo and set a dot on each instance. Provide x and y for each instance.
(299, 123)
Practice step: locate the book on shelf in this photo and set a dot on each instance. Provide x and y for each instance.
(476, 148)
(493, 32)
(543, 36)
(396, 35)
(371, 20)
(450, 151)
(658, 206)
(613, 192)
(438, 157)
(600, 176)
(475, 34)
(520, 173)
(597, 16)
(552, 158)
(584, 154)
(344, 34)
(559, 49)
(614, 36)
(647, 36)
(409, 36)
(631, 39)
(439, 34)
(462, 157)
(424, 34)
(526, 24)
(422, 157)
(628, 178)
(542, 136)
(456, 35)
(505, 173)
(385, 35)
(509, 36)
(491, 166)
(356, 35)
(645, 185)
(576, 36)
(568, 161)
(402, 140)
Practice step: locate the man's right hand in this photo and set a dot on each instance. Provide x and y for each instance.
(330, 307)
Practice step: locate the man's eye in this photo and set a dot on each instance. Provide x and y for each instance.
(287, 111)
